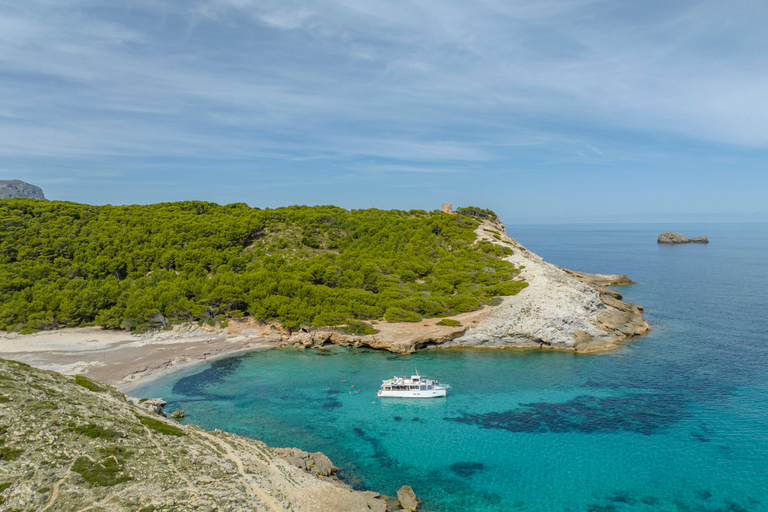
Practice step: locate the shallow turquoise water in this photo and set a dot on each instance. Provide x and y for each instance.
(674, 421)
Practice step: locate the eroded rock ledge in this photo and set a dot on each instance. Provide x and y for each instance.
(560, 309)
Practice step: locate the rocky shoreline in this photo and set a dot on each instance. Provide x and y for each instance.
(75, 444)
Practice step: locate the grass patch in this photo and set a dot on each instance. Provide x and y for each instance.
(105, 473)
(16, 364)
(9, 454)
(44, 405)
(97, 432)
(4, 399)
(120, 452)
(4, 486)
(88, 384)
(159, 426)
(450, 322)
(495, 301)
(148, 508)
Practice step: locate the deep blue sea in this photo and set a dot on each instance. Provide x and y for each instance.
(676, 420)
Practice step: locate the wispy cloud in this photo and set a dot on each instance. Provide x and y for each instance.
(420, 84)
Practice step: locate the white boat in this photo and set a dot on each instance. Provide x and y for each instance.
(414, 387)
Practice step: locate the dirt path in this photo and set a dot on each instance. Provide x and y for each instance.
(231, 455)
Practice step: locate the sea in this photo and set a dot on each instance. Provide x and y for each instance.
(675, 420)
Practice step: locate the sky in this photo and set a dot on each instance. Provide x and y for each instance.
(543, 111)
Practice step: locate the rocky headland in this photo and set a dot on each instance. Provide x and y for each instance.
(72, 444)
(670, 237)
(559, 309)
(17, 188)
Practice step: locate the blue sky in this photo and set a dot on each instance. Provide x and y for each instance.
(544, 111)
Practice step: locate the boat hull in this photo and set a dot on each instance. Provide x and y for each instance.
(427, 393)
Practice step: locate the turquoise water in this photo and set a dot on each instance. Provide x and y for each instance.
(676, 420)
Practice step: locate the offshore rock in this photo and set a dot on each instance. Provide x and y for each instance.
(177, 414)
(17, 188)
(670, 237)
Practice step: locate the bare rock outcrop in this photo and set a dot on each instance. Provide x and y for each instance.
(670, 237)
(17, 188)
(402, 338)
(560, 309)
(316, 463)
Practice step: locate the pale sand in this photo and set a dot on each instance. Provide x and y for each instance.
(126, 360)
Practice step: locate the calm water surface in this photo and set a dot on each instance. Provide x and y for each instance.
(676, 420)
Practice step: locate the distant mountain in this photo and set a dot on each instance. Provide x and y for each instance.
(18, 188)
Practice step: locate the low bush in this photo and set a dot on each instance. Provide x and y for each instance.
(159, 426)
(88, 383)
(359, 328)
(105, 473)
(97, 431)
(9, 454)
(450, 322)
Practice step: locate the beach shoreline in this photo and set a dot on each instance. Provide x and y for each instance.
(128, 360)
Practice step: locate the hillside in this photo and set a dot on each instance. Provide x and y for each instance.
(66, 446)
(17, 188)
(138, 267)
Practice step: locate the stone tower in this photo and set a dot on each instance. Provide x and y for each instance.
(447, 208)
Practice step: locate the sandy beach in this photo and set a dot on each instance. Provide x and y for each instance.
(124, 359)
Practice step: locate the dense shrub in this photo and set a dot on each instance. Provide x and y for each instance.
(394, 314)
(88, 383)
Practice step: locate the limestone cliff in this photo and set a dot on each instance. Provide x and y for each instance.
(17, 188)
(72, 444)
(560, 309)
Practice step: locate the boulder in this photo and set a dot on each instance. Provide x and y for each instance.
(155, 406)
(177, 414)
(317, 462)
(407, 498)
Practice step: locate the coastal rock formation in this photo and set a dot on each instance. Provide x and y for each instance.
(560, 309)
(670, 237)
(407, 498)
(65, 447)
(17, 188)
(316, 463)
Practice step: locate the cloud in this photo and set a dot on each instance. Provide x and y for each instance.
(444, 82)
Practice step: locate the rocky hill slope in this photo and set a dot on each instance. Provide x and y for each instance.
(17, 188)
(70, 444)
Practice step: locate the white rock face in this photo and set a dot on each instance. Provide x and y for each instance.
(555, 310)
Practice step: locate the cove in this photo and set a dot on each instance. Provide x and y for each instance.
(674, 420)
